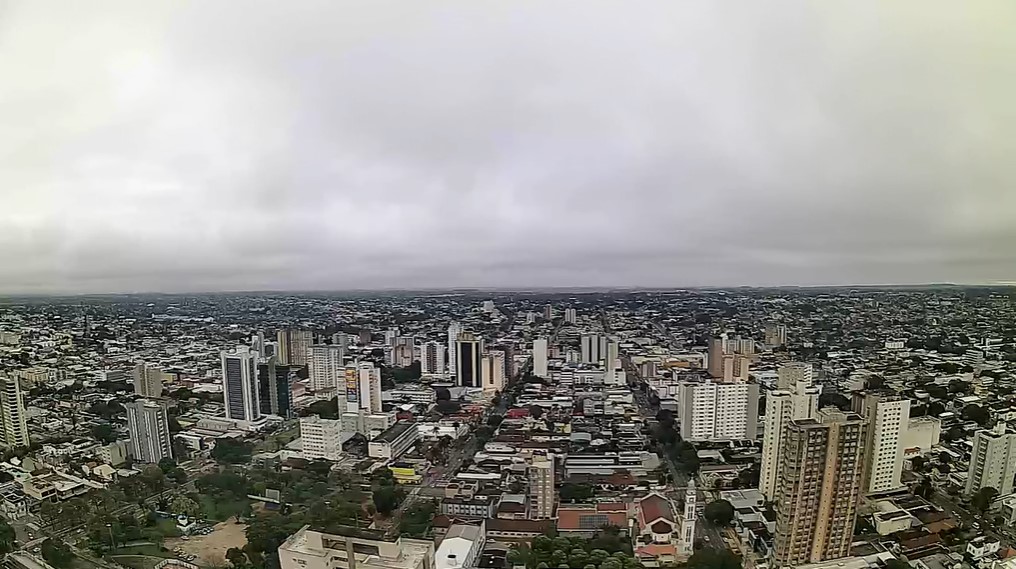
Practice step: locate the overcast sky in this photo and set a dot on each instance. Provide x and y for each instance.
(246, 145)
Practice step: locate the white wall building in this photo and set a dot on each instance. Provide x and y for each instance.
(149, 429)
(540, 357)
(362, 388)
(887, 417)
(718, 411)
(325, 366)
(432, 358)
(454, 329)
(541, 487)
(492, 371)
(993, 461)
(799, 400)
(14, 427)
(321, 438)
(147, 380)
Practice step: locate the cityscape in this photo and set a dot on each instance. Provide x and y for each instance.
(765, 428)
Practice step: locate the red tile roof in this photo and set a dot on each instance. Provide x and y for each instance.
(654, 507)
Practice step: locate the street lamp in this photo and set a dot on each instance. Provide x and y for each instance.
(112, 542)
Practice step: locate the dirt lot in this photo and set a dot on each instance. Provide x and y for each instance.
(211, 548)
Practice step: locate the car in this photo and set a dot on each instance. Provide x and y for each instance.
(706, 538)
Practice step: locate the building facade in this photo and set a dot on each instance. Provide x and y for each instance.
(718, 411)
(352, 548)
(540, 357)
(468, 353)
(240, 389)
(293, 346)
(12, 414)
(432, 358)
(321, 438)
(149, 429)
(992, 461)
(541, 487)
(887, 415)
(147, 380)
(796, 399)
(325, 366)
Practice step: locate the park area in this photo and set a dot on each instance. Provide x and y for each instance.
(211, 549)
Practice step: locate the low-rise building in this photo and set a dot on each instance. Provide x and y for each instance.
(354, 548)
(394, 441)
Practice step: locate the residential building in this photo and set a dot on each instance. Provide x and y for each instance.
(728, 358)
(992, 461)
(390, 444)
(492, 371)
(325, 366)
(12, 414)
(321, 438)
(610, 362)
(468, 350)
(540, 357)
(478, 507)
(796, 398)
(593, 348)
(570, 316)
(115, 454)
(354, 548)
(791, 374)
(149, 429)
(718, 411)
(819, 488)
(775, 335)
(541, 487)
(240, 389)
(887, 415)
(147, 380)
(432, 358)
(362, 389)
(293, 346)
(454, 329)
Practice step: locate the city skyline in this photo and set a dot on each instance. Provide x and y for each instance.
(165, 147)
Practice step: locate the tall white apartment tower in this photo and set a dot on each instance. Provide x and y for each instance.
(12, 414)
(590, 347)
(718, 411)
(149, 429)
(147, 380)
(795, 399)
(454, 329)
(325, 366)
(570, 316)
(540, 357)
(541, 487)
(240, 389)
(432, 358)
(993, 460)
(887, 415)
(610, 362)
(363, 388)
(293, 344)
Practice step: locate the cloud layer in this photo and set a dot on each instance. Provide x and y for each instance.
(239, 145)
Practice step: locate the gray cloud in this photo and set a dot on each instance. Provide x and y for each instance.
(246, 145)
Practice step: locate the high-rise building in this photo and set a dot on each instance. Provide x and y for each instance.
(819, 488)
(993, 460)
(391, 335)
(325, 366)
(728, 358)
(403, 352)
(593, 348)
(887, 415)
(468, 351)
(789, 375)
(570, 316)
(364, 337)
(718, 411)
(687, 543)
(293, 346)
(12, 414)
(275, 388)
(240, 389)
(492, 371)
(775, 335)
(363, 388)
(147, 380)
(454, 329)
(432, 357)
(488, 306)
(540, 357)
(610, 363)
(321, 438)
(149, 429)
(795, 399)
(541, 487)
(548, 312)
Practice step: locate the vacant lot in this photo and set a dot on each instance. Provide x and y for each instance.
(211, 548)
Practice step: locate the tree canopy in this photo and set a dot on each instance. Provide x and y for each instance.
(719, 512)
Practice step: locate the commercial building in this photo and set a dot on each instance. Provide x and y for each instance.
(149, 430)
(240, 389)
(492, 371)
(541, 487)
(819, 488)
(293, 346)
(540, 357)
(12, 414)
(354, 548)
(718, 411)
(321, 438)
(468, 352)
(275, 388)
(593, 348)
(147, 380)
(362, 389)
(432, 358)
(461, 546)
(887, 415)
(992, 461)
(393, 442)
(454, 329)
(325, 366)
(796, 398)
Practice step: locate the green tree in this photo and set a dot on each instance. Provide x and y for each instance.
(231, 451)
(611, 563)
(167, 465)
(719, 512)
(897, 564)
(714, 559)
(982, 499)
(237, 558)
(7, 537)
(56, 553)
(104, 432)
(185, 505)
(386, 499)
(570, 492)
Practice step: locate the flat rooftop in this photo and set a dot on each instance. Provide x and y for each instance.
(394, 432)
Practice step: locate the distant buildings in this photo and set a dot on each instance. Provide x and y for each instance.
(718, 411)
(468, 351)
(570, 316)
(540, 357)
(729, 358)
(240, 389)
(149, 430)
(432, 356)
(819, 488)
(796, 398)
(775, 335)
(454, 329)
(147, 380)
(992, 461)
(13, 427)
(293, 346)
(541, 487)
